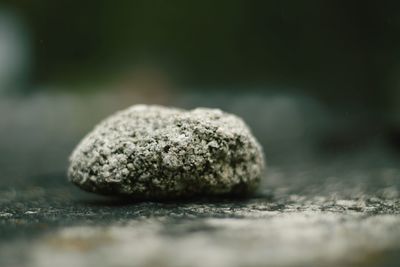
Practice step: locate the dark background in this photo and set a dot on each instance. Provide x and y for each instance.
(313, 79)
(340, 51)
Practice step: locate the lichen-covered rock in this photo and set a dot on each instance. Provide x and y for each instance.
(158, 152)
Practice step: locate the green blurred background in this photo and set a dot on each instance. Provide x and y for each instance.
(311, 78)
(339, 51)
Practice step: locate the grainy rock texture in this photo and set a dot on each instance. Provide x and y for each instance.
(158, 152)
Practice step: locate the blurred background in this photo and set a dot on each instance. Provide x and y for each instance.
(315, 80)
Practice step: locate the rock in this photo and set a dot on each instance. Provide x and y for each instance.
(159, 152)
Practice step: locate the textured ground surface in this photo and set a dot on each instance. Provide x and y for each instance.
(313, 209)
(304, 215)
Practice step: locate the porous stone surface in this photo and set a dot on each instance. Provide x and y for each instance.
(159, 152)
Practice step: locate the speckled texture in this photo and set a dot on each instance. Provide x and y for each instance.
(158, 152)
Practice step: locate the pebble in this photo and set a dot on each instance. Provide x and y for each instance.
(157, 152)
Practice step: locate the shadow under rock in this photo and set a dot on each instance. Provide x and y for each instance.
(113, 201)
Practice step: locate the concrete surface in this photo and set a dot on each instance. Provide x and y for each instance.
(331, 215)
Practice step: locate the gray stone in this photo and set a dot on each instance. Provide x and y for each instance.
(158, 152)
